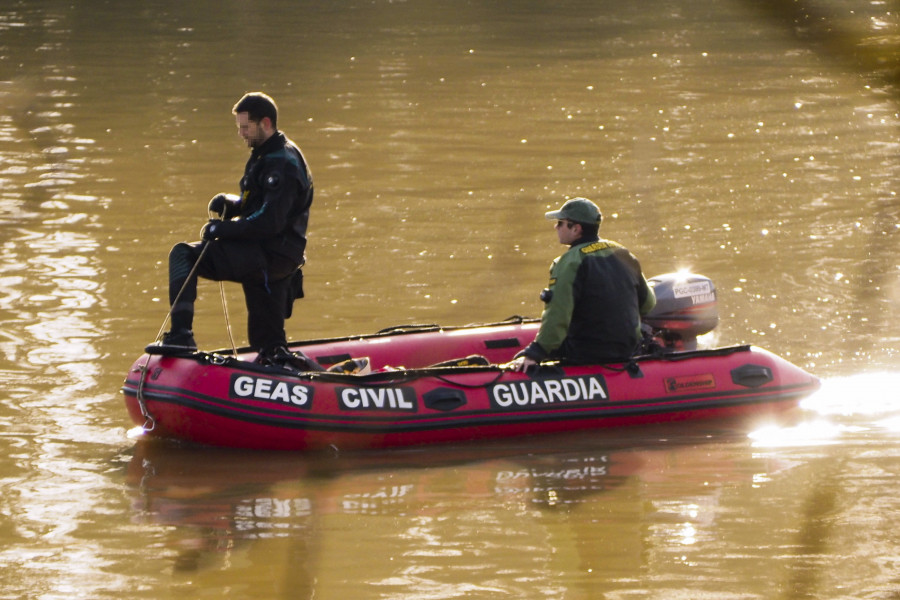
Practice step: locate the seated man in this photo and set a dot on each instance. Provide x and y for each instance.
(595, 299)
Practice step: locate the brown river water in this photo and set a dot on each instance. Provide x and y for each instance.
(756, 142)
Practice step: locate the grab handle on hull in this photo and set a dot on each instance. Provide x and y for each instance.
(752, 376)
(444, 399)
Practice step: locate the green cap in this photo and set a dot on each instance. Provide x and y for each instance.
(580, 210)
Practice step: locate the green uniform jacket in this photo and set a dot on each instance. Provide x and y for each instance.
(593, 305)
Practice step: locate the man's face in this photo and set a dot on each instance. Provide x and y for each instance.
(568, 232)
(254, 133)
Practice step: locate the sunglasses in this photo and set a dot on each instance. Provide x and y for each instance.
(568, 224)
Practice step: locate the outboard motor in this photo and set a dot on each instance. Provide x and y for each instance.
(685, 308)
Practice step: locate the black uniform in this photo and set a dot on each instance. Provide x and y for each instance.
(260, 243)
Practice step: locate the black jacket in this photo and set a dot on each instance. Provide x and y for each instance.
(276, 195)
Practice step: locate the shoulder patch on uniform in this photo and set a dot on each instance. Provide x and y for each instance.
(273, 181)
(601, 245)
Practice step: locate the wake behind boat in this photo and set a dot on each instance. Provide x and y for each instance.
(432, 384)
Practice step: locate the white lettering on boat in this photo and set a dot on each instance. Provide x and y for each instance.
(541, 392)
(274, 390)
(368, 398)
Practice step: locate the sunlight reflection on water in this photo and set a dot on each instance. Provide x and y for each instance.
(863, 394)
(813, 433)
(836, 406)
(892, 424)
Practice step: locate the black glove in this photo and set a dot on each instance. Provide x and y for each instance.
(209, 230)
(220, 203)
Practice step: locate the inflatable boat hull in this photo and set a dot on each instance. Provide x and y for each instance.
(222, 400)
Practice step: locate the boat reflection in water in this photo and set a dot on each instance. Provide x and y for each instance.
(226, 505)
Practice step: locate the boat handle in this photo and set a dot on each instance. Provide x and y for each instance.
(751, 375)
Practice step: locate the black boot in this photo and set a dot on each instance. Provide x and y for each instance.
(280, 356)
(177, 341)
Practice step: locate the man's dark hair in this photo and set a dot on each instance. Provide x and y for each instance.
(590, 229)
(258, 106)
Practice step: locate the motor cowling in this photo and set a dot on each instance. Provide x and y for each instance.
(686, 307)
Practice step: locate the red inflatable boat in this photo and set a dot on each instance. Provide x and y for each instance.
(433, 384)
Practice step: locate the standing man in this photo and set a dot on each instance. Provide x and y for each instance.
(595, 299)
(259, 241)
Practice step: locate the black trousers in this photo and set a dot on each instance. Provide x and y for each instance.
(265, 280)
